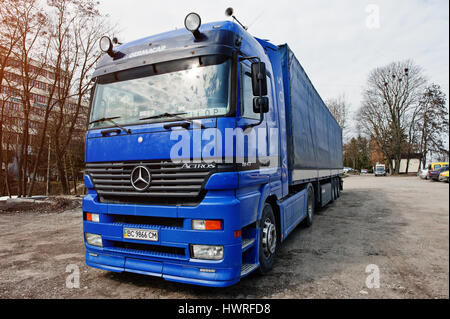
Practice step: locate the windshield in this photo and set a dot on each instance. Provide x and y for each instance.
(196, 88)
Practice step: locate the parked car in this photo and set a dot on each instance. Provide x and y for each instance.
(348, 170)
(435, 174)
(433, 170)
(364, 171)
(443, 177)
(436, 166)
(423, 173)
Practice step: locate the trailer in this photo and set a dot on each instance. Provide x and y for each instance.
(314, 138)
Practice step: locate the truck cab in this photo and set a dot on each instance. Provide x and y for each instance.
(186, 157)
(380, 170)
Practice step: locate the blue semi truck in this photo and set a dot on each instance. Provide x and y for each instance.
(206, 147)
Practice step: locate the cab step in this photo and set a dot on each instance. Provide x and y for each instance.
(247, 268)
(247, 243)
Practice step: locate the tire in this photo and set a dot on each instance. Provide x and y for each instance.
(268, 240)
(333, 190)
(338, 188)
(310, 207)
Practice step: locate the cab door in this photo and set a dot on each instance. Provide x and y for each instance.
(253, 145)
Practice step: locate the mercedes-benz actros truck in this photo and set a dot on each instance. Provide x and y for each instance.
(206, 148)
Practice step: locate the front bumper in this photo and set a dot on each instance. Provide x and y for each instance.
(443, 179)
(222, 277)
(178, 267)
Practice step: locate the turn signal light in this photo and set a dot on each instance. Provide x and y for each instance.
(92, 217)
(207, 224)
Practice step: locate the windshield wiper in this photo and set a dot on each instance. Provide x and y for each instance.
(104, 119)
(162, 116)
(175, 115)
(110, 119)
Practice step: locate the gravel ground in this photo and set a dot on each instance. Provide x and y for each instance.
(398, 224)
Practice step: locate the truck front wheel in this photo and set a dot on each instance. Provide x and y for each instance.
(267, 240)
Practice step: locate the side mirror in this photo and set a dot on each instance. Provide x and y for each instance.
(261, 105)
(259, 79)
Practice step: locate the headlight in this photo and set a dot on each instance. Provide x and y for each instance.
(106, 44)
(93, 239)
(207, 252)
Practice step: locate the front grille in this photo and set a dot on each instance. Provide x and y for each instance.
(163, 251)
(171, 183)
(144, 220)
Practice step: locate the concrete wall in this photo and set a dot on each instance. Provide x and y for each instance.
(414, 165)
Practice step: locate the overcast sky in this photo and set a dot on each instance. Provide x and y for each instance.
(338, 42)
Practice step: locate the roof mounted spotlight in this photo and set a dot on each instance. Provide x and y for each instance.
(106, 46)
(192, 22)
(115, 40)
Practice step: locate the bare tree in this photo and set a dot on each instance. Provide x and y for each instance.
(88, 31)
(9, 35)
(30, 21)
(55, 46)
(8, 39)
(432, 126)
(389, 102)
(63, 60)
(339, 107)
(78, 27)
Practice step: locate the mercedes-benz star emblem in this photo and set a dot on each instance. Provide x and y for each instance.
(141, 178)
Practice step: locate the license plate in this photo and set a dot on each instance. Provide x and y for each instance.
(140, 234)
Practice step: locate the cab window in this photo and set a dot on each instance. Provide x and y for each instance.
(247, 94)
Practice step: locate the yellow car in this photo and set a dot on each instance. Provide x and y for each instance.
(436, 166)
(433, 168)
(443, 177)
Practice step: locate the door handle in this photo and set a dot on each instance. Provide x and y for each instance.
(184, 125)
(106, 132)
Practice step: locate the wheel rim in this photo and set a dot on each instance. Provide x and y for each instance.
(269, 238)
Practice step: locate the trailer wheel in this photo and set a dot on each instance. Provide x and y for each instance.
(338, 188)
(267, 239)
(310, 206)
(333, 189)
